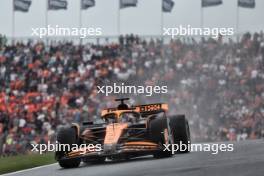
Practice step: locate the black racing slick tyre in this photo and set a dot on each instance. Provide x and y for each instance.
(181, 132)
(156, 128)
(67, 135)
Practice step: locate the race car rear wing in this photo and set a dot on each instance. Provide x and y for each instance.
(143, 109)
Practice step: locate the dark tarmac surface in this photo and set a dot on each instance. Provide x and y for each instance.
(247, 159)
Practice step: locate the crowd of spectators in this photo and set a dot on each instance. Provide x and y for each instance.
(218, 84)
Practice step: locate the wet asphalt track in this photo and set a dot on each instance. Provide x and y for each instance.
(246, 160)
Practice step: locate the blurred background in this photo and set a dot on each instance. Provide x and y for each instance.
(217, 83)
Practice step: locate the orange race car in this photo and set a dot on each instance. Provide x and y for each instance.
(127, 132)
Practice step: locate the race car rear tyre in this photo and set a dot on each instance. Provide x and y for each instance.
(67, 135)
(181, 132)
(156, 128)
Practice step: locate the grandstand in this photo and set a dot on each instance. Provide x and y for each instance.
(219, 85)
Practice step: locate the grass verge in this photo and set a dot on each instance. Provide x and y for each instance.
(20, 162)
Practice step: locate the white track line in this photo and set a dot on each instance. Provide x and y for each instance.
(25, 170)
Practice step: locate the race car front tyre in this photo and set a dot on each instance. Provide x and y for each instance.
(181, 132)
(67, 135)
(156, 128)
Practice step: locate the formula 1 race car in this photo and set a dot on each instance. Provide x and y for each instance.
(127, 132)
